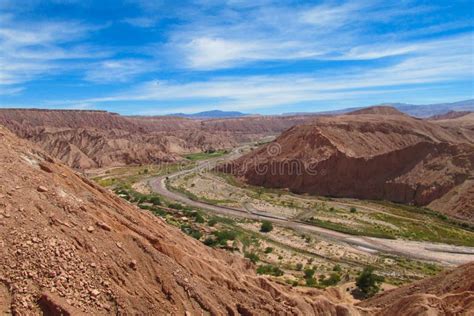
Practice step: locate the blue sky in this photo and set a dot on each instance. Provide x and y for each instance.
(260, 56)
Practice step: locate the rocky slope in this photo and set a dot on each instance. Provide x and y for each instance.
(70, 247)
(92, 139)
(450, 293)
(376, 153)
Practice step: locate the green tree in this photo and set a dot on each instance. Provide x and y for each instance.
(266, 227)
(368, 282)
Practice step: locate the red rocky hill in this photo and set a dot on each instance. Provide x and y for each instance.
(370, 154)
(92, 139)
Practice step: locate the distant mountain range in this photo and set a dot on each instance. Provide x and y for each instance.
(210, 114)
(423, 111)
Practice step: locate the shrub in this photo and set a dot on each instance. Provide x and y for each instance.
(155, 200)
(333, 279)
(252, 256)
(353, 210)
(268, 250)
(337, 268)
(311, 282)
(299, 266)
(176, 206)
(266, 227)
(270, 270)
(223, 236)
(191, 231)
(209, 241)
(368, 282)
(211, 222)
(198, 218)
(309, 273)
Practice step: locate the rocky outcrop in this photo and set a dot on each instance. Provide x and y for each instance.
(369, 156)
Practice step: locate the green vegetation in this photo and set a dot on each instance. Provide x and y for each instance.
(206, 155)
(353, 210)
(268, 250)
(368, 282)
(333, 279)
(191, 231)
(270, 270)
(370, 231)
(266, 227)
(220, 238)
(252, 256)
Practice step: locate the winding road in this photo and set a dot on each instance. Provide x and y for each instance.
(441, 253)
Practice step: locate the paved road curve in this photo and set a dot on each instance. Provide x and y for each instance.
(441, 253)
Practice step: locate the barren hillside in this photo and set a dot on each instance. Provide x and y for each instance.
(369, 155)
(450, 293)
(69, 246)
(91, 139)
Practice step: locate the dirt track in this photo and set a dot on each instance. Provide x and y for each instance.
(441, 253)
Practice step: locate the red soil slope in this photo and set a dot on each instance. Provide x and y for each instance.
(387, 156)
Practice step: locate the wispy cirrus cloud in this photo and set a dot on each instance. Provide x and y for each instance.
(119, 70)
(439, 61)
(327, 31)
(33, 49)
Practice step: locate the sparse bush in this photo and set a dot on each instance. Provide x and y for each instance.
(266, 227)
(299, 266)
(270, 270)
(309, 273)
(223, 236)
(353, 210)
(155, 200)
(176, 206)
(209, 241)
(368, 282)
(198, 218)
(252, 256)
(211, 222)
(337, 268)
(268, 250)
(191, 231)
(333, 279)
(311, 282)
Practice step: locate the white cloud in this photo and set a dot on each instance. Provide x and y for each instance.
(140, 21)
(439, 61)
(36, 48)
(118, 70)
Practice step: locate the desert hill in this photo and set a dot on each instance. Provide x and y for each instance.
(373, 154)
(92, 139)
